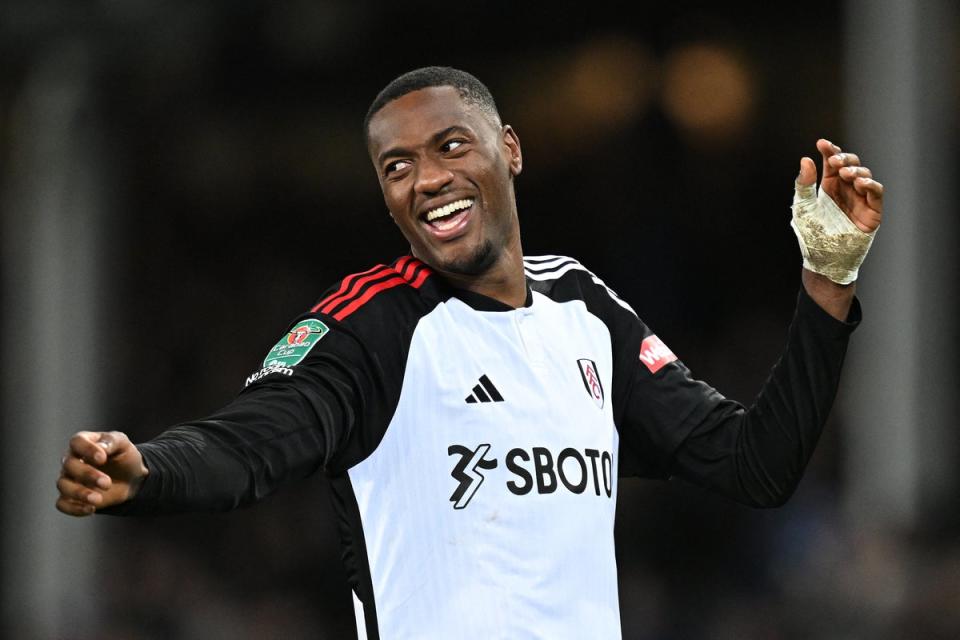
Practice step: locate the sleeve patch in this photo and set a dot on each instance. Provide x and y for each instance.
(286, 371)
(295, 346)
(654, 354)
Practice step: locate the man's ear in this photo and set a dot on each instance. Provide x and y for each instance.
(512, 143)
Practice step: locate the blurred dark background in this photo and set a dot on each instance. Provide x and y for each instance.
(179, 180)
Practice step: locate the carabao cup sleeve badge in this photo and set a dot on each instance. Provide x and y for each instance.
(295, 346)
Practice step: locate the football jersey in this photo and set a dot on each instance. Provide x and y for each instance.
(474, 449)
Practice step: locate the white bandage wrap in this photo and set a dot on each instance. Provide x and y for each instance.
(830, 243)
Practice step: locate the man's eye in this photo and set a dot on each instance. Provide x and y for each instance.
(399, 165)
(451, 145)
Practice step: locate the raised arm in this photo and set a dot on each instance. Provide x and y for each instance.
(758, 455)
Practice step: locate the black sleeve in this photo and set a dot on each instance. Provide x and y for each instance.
(286, 423)
(754, 456)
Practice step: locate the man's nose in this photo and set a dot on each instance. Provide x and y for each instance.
(432, 176)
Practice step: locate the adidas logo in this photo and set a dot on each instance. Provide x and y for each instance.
(484, 392)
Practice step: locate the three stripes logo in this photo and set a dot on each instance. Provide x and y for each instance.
(465, 472)
(484, 392)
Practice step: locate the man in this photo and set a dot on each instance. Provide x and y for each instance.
(474, 408)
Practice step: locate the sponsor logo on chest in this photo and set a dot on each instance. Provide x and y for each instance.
(539, 470)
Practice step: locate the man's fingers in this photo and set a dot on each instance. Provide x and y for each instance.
(74, 508)
(872, 191)
(875, 196)
(108, 441)
(827, 150)
(852, 173)
(83, 445)
(868, 217)
(843, 160)
(100, 469)
(76, 469)
(73, 490)
(868, 187)
(808, 172)
(851, 186)
(96, 446)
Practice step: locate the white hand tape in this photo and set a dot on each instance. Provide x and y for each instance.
(830, 243)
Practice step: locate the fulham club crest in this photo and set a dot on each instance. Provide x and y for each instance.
(591, 380)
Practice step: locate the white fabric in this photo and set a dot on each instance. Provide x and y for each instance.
(505, 565)
(359, 615)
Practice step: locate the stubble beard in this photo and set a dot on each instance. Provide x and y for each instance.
(475, 264)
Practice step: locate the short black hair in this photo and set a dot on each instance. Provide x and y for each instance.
(471, 90)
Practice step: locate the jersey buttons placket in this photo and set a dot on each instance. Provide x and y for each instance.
(526, 323)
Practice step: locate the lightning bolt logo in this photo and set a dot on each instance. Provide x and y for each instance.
(465, 472)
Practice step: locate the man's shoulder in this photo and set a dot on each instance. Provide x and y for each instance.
(375, 309)
(384, 288)
(563, 278)
(550, 267)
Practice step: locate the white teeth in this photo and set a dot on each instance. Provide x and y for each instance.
(447, 209)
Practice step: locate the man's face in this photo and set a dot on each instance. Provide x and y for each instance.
(446, 171)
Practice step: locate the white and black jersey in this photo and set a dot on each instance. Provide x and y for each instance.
(474, 448)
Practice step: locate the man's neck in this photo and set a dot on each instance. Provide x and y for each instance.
(504, 281)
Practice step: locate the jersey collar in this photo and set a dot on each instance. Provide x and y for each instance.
(480, 302)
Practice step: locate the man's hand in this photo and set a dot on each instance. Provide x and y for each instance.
(835, 230)
(847, 183)
(101, 469)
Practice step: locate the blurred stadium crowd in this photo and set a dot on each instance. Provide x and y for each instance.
(207, 159)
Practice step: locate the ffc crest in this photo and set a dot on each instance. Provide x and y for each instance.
(591, 380)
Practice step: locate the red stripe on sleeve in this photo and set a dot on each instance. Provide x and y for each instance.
(416, 284)
(369, 293)
(408, 272)
(355, 288)
(343, 287)
(399, 265)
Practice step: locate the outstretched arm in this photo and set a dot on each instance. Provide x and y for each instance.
(287, 423)
(236, 456)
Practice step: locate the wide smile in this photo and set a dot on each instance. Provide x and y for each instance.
(448, 221)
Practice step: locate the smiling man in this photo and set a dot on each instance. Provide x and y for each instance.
(446, 166)
(474, 408)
